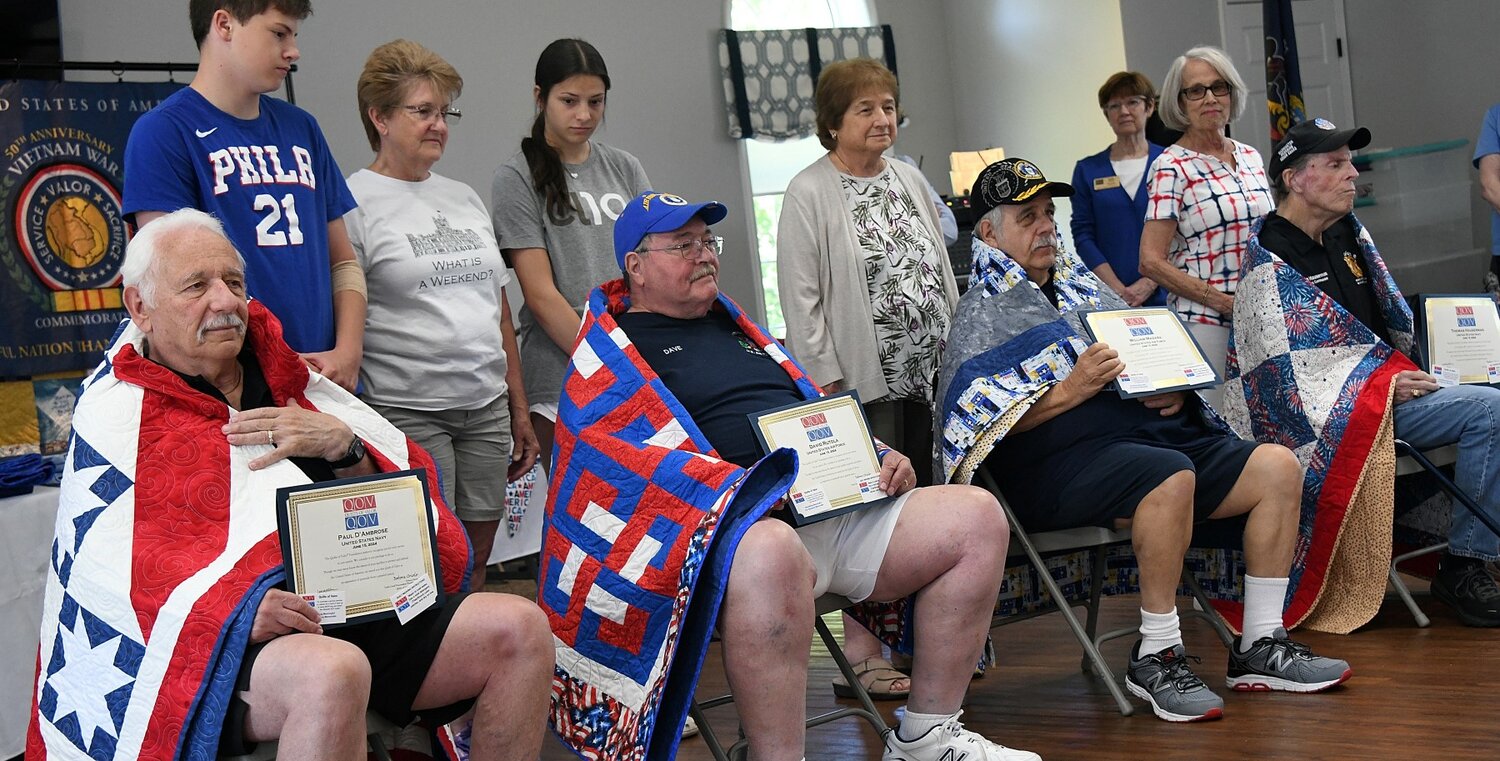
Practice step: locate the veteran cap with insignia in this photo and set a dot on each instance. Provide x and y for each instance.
(653, 212)
(1010, 181)
(1314, 136)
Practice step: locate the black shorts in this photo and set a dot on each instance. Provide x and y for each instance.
(399, 659)
(1111, 485)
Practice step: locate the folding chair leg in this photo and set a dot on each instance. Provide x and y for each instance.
(1208, 613)
(1405, 595)
(706, 731)
(868, 711)
(1096, 590)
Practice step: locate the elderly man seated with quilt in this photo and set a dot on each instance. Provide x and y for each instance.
(166, 632)
(661, 509)
(1024, 396)
(1319, 312)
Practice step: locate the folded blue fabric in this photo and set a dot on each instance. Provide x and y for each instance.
(20, 473)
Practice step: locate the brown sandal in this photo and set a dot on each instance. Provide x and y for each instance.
(877, 675)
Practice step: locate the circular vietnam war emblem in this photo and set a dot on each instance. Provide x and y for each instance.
(70, 228)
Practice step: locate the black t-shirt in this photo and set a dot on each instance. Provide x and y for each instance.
(257, 394)
(1337, 266)
(718, 374)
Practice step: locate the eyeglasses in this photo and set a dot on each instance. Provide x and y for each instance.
(1196, 92)
(1132, 102)
(426, 113)
(712, 244)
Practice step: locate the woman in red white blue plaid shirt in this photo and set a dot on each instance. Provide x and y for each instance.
(1206, 191)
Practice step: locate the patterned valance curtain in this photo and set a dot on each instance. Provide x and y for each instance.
(769, 75)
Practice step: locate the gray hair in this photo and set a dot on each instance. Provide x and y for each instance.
(1171, 111)
(1279, 189)
(995, 216)
(140, 254)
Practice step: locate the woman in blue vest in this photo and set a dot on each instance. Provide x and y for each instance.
(1109, 192)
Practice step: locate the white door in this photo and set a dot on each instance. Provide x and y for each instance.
(1321, 49)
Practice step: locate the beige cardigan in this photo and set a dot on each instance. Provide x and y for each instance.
(825, 298)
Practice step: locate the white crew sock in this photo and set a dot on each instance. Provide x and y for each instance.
(1263, 602)
(1159, 631)
(914, 725)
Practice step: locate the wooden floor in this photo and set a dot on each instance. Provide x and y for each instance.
(1416, 694)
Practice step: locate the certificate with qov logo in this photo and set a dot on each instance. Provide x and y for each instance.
(1462, 335)
(838, 470)
(362, 548)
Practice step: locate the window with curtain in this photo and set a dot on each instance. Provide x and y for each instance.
(773, 59)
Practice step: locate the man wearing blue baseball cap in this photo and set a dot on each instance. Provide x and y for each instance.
(654, 443)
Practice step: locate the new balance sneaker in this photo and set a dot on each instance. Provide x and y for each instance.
(949, 741)
(1465, 585)
(1277, 663)
(1167, 682)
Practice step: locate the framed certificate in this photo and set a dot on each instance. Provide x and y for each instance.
(365, 543)
(838, 470)
(1461, 338)
(1158, 352)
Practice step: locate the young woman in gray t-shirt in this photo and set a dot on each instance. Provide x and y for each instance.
(554, 205)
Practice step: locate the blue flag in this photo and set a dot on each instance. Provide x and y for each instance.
(1283, 73)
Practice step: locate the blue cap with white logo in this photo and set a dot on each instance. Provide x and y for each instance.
(653, 212)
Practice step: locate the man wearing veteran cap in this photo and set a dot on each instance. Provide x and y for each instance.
(1024, 396)
(1319, 285)
(653, 428)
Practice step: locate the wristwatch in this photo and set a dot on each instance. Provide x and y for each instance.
(355, 453)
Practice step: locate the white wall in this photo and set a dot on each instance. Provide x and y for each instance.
(666, 106)
(1157, 31)
(1421, 77)
(1026, 78)
(924, 65)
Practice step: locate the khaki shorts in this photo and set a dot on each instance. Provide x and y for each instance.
(847, 551)
(472, 449)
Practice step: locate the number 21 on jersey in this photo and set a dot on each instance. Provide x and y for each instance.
(266, 233)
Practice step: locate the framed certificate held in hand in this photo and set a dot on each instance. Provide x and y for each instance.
(1461, 338)
(838, 470)
(362, 548)
(1158, 352)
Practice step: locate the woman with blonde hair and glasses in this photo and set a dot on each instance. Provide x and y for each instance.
(1206, 192)
(440, 361)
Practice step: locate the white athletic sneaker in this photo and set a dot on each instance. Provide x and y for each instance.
(689, 728)
(949, 741)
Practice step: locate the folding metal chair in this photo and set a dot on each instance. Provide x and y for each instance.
(374, 725)
(1096, 540)
(1410, 460)
(866, 709)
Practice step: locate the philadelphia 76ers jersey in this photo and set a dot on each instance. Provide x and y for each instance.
(271, 181)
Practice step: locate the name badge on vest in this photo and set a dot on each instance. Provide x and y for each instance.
(1105, 183)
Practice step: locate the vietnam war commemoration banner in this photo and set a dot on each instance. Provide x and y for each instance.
(62, 234)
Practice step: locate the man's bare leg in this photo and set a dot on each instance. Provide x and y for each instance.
(767, 623)
(498, 650)
(296, 671)
(948, 548)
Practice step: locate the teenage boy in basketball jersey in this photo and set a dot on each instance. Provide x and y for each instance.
(263, 168)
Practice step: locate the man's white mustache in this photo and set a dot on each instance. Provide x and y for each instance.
(226, 320)
(702, 271)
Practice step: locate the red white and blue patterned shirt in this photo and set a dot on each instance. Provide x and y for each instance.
(1214, 206)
